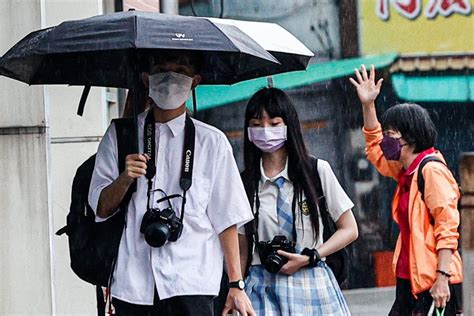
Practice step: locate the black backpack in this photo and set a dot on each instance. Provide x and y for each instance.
(421, 180)
(338, 261)
(93, 247)
(421, 184)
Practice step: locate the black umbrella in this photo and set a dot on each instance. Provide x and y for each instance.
(109, 50)
(105, 50)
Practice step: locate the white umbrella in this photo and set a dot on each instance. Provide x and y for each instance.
(272, 37)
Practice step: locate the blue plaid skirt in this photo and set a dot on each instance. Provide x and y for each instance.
(308, 292)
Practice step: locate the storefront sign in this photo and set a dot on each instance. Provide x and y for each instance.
(415, 26)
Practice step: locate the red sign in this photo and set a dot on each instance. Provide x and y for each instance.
(411, 9)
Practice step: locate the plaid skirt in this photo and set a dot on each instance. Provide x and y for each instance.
(309, 291)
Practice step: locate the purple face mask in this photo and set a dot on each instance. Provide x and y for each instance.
(391, 147)
(268, 139)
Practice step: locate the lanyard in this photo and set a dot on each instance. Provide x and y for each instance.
(187, 162)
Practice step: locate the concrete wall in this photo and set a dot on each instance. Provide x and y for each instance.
(42, 142)
(25, 252)
(73, 140)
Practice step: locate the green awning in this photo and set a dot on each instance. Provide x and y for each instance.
(212, 96)
(434, 88)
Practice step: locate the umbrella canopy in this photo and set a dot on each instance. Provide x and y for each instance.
(111, 50)
(290, 52)
(105, 50)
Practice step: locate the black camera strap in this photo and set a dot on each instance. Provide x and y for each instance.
(185, 181)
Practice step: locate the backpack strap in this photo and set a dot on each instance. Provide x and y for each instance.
(125, 132)
(250, 227)
(338, 261)
(421, 180)
(125, 143)
(323, 207)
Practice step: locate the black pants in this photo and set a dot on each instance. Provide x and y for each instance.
(219, 300)
(187, 305)
(406, 305)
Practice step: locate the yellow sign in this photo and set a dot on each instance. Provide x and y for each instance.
(415, 26)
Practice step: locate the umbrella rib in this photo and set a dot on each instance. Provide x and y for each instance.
(215, 26)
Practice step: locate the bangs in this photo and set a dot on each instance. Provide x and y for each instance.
(414, 124)
(264, 100)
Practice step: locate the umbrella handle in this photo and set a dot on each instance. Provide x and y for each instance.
(194, 103)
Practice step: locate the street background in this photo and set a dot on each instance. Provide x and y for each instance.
(424, 50)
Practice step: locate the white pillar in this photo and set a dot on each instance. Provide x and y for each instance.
(73, 139)
(25, 210)
(169, 6)
(42, 142)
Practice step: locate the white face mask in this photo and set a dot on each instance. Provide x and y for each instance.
(169, 90)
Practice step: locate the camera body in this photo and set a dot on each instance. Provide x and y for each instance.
(158, 226)
(267, 250)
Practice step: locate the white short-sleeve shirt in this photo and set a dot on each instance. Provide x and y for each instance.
(216, 200)
(337, 201)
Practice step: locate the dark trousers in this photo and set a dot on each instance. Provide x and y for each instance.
(407, 305)
(220, 299)
(187, 305)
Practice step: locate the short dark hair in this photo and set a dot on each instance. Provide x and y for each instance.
(413, 122)
(183, 57)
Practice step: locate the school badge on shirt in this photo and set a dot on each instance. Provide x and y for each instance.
(304, 208)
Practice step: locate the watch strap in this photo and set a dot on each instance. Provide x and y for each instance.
(239, 284)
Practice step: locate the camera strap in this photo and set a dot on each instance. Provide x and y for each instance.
(187, 162)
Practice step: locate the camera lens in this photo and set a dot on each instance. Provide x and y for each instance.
(157, 234)
(274, 263)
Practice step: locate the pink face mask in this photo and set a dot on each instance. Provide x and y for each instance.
(268, 139)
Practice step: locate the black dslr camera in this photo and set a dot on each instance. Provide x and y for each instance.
(269, 257)
(158, 226)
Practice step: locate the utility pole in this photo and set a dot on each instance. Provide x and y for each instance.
(467, 230)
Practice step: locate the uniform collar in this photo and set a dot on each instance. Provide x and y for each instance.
(264, 179)
(175, 126)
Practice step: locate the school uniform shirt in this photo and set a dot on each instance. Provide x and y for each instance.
(216, 200)
(337, 201)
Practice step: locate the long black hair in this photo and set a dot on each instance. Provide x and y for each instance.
(413, 122)
(300, 169)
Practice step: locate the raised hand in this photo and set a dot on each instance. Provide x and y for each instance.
(367, 90)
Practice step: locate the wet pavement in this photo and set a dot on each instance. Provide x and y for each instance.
(370, 301)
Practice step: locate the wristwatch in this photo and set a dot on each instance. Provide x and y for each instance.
(239, 284)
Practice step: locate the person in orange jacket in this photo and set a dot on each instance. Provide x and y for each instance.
(426, 261)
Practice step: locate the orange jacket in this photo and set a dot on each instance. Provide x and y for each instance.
(433, 223)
